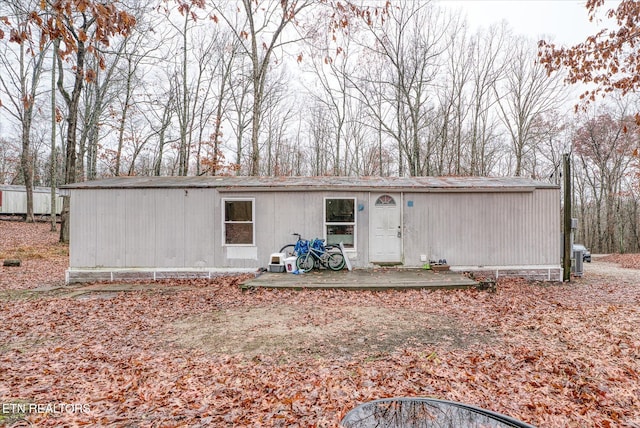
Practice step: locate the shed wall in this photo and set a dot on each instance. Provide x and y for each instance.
(176, 228)
(279, 215)
(142, 228)
(483, 229)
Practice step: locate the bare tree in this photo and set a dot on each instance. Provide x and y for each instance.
(525, 94)
(411, 43)
(135, 54)
(239, 113)
(96, 97)
(321, 137)
(331, 74)
(221, 71)
(262, 37)
(604, 144)
(487, 52)
(54, 119)
(80, 27)
(449, 139)
(200, 83)
(20, 84)
(159, 122)
(9, 161)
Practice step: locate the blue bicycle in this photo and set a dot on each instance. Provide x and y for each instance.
(316, 254)
(296, 249)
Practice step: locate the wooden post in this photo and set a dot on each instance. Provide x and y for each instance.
(566, 259)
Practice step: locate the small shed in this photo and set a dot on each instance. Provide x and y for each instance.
(159, 227)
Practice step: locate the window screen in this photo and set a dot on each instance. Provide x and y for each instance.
(238, 222)
(340, 221)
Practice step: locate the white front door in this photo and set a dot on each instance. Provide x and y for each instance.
(385, 232)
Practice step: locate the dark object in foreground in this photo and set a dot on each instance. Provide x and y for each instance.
(410, 412)
(12, 262)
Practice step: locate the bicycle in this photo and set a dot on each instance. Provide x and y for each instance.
(295, 249)
(299, 247)
(318, 255)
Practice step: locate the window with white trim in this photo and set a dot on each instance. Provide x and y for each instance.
(238, 221)
(340, 221)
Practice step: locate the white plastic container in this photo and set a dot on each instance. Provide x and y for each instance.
(290, 264)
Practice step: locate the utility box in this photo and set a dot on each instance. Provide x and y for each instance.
(577, 262)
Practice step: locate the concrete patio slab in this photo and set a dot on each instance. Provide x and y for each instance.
(362, 279)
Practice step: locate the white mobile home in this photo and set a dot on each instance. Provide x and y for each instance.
(158, 227)
(13, 200)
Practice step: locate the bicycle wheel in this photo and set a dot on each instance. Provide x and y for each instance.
(288, 250)
(335, 261)
(305, 262)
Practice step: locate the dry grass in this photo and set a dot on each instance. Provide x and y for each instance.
(36, 252)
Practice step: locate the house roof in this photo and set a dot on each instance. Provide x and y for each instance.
(237, 183)
(21, 188)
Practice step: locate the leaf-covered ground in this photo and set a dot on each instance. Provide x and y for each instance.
(552, 355)
(44, 260)
(631, 261)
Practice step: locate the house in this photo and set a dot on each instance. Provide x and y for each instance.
(159, 227)
(13, 200)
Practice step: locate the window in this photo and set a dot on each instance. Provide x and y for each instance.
(340, 221)
(385, 200)
(238, 221)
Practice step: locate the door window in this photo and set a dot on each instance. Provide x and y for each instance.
(385, 200)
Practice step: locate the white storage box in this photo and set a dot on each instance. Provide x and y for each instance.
(290, 264)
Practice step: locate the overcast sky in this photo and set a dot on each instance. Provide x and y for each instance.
(564, 21)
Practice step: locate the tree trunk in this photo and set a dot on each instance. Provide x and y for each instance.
(25, 156)
(255, 131)
(122, 123)
(72, 102)
(52, 166)
(27, 164)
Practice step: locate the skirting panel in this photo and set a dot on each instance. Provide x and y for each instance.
(74, 276)
(537, 273)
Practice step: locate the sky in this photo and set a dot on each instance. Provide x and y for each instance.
(565, 22)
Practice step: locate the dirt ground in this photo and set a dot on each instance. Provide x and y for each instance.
(346, 331)
(321, 331)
